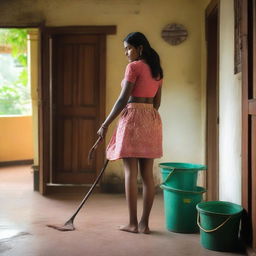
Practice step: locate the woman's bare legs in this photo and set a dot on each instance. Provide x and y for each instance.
(131, 191)
(146, 170)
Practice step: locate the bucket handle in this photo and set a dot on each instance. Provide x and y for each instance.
(214, 229)
(168, 176)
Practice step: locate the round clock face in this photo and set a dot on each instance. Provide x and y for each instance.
(174, 34)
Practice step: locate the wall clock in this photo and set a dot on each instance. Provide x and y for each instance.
(174, 34)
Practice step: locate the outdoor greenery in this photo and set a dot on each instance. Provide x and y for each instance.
(14, 88)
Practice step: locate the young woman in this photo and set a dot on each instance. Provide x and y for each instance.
(138, 135)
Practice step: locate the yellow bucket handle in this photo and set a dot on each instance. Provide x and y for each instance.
(214, 229)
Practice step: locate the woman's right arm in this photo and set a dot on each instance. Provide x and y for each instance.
(157, 98)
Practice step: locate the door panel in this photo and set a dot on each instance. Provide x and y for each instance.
(87, 95)
(75, 101)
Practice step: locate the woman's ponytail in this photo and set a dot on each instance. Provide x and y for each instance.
(153, 61)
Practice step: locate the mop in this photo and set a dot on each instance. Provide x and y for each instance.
(69, 225)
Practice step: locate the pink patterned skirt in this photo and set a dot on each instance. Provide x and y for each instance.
(138, 133)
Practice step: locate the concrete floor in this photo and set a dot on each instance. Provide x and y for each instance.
(25, 213)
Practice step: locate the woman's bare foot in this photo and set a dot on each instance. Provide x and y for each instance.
(143, 228)
(129, 228)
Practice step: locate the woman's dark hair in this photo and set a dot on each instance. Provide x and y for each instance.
(149, 54)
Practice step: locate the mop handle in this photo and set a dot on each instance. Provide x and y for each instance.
(94, 147)
(90, 190)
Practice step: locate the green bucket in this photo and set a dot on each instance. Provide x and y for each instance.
(219, 225)
(180, 175)
(180, 209)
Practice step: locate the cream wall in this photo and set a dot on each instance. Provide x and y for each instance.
(181, 108)
(230, 129)
(33, 77)
(16, 138)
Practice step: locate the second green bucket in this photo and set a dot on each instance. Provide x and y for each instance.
(180, 175)
(180, 209)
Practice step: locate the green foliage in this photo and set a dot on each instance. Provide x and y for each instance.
(9, 97)
(14, 89)
(16, 38)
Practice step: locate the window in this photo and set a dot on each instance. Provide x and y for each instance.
(15, 98)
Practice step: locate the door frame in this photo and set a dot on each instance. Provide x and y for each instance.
(212, 101)
(45, 92)
(248, 107)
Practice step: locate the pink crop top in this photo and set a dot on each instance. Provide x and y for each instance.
(139, 73)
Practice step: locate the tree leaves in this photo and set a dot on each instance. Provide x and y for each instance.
(14, 95)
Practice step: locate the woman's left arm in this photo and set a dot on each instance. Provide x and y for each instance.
(117, 108)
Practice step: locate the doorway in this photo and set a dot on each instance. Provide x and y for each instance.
(212, 100)
(17, 95)
(73, 96)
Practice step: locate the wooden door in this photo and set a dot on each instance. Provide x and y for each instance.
(249, 118)
(212, 100)
(72, 103)
(75, 106)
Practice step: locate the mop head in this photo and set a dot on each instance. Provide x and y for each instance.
(66, 227)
